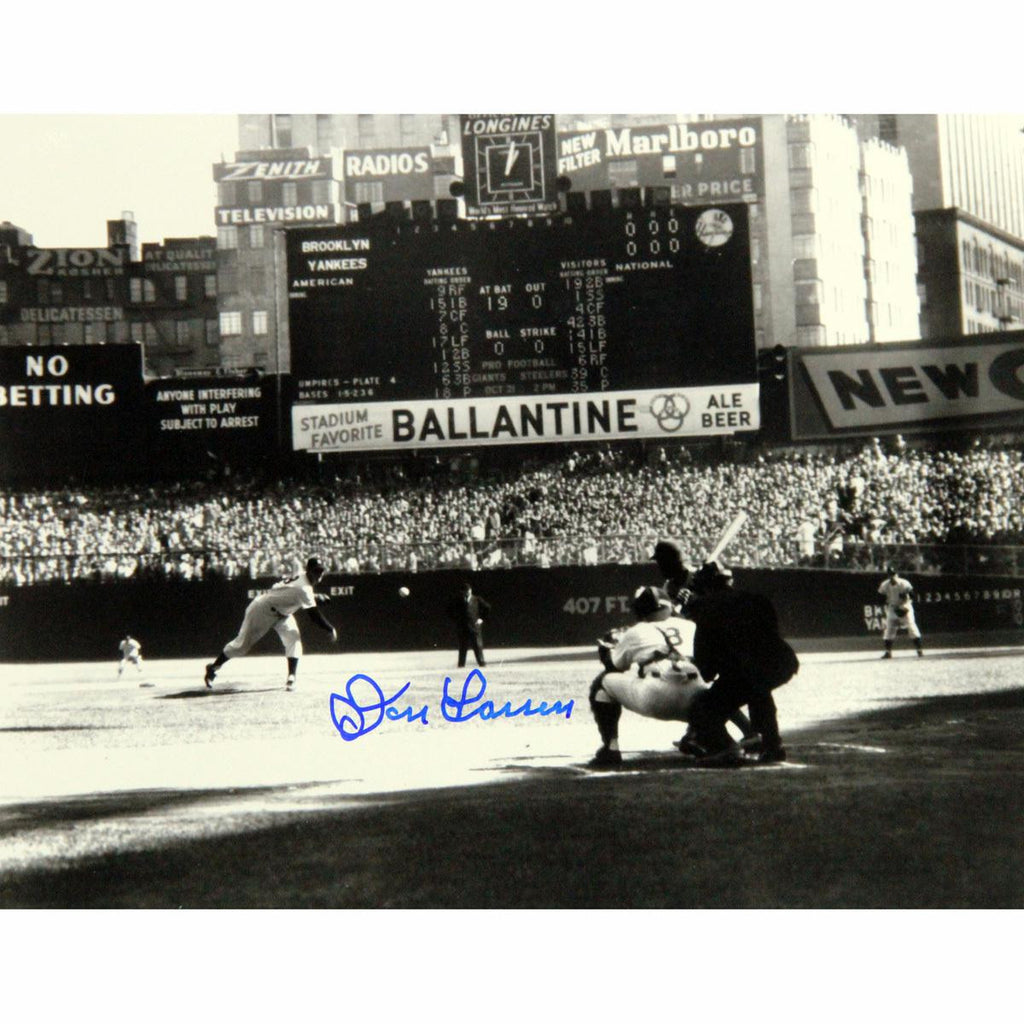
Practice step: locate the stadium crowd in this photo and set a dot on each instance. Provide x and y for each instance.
(591, 506)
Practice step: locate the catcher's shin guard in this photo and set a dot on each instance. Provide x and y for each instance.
(606, 712)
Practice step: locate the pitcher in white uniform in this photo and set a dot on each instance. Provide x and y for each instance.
(275, 610)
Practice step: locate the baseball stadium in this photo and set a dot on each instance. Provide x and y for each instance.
(568, 379)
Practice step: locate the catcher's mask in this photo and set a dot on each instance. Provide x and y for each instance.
(652, 604)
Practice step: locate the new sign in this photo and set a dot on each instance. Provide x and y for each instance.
(865, 388)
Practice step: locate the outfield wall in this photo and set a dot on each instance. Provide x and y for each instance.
(531, 608)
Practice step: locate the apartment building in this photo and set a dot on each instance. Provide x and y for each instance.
(968, 179)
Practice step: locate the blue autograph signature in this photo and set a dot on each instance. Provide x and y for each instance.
(363, 706)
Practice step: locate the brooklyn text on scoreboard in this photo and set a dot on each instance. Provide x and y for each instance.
(618, 304)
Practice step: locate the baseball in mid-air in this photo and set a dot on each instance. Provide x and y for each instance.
(403, 591)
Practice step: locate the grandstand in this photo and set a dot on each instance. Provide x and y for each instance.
(932, 510)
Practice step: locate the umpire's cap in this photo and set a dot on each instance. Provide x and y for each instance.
(670, 561)
(711, 576)
(315, 565)
(651, 603)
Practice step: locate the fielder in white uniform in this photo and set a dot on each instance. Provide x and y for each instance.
(660, 645)
(131, 651)
(899, 611)
(275, 610)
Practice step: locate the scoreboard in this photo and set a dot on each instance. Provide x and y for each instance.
(441, 333)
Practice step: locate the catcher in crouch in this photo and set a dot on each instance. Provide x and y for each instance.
(660, 644)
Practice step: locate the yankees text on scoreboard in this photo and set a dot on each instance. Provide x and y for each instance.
(505, 329)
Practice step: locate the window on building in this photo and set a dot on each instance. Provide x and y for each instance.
(748, 161)
(811, 335)
(255, 236)
(321, 191)
(366, 125)
(805, 247)
(4, 292)
(801, 155)
(622, 173)
(151, 335)
(808, 293)
(227, 193)
(408, 128)
(259, 321)
(212, 332)
(227, 281)
(256, 277)
(182, 334)
(230, 324)
(369, 192)
(135, 289)
(324, 133)
(968, 263)
(290, 193)
(136, 332)
(757, 298)
(210, 286)
(282, 131)
(181, 287)
(254, 191)
(148, 290)
(227, 237)
(89, 334)
(922, 293)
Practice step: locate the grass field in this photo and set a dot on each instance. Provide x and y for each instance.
(903, 789)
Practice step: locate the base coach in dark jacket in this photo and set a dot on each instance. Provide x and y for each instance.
(469, 613)
(738, 649)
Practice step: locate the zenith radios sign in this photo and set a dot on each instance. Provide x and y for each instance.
(509, 164)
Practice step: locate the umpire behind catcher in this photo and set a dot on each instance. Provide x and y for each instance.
(738, 649)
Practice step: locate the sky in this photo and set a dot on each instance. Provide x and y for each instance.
(62, 177)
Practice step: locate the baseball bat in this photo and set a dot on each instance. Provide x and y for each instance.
(728, 534)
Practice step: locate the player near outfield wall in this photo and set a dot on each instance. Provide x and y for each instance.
(899, 611)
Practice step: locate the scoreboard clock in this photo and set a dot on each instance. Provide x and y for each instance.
(509, 164)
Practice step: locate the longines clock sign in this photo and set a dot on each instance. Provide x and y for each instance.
(509, 164)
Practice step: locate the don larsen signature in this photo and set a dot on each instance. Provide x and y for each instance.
(364, 706)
